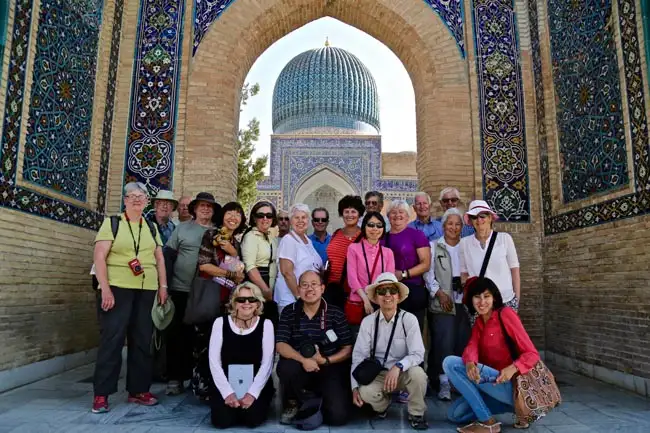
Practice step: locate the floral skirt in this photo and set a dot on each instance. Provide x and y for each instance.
(202, 384)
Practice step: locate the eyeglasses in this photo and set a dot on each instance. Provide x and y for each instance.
(383, 291)
(137, 197)
(320, 220)
(449, 200)
(283, 218)
(371, 202)
(260, 215)
(244, 299)
(375, 225)
(482, 216)
(314, 285)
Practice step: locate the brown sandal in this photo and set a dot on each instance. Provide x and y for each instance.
(479, 427)
(521, 425)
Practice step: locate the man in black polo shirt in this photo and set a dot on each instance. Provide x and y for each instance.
(315, 350)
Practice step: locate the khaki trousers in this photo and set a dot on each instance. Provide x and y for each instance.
(413, 380)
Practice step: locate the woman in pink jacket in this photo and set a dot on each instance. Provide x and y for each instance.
(366, 259)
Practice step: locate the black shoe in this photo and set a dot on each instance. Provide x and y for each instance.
(418, 422)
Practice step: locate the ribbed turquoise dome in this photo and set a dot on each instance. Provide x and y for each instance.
(325, 88)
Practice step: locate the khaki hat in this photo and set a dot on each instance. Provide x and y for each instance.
(164, 194)
(386, 279)
(162, 315)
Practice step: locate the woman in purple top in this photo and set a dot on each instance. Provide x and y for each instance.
(412, 257)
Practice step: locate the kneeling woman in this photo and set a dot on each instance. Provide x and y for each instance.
(241, 351)
(483, 374)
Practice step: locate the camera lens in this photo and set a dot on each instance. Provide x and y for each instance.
(307, 350)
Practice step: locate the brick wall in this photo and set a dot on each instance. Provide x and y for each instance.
(398, 164)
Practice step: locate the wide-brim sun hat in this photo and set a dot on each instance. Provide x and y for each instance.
(476, 207)
(206, 197)
(309, 416)
(164, 194)
(387, 279)
(162, 314)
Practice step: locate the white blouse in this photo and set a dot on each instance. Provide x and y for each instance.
(266, 366)
(503, 259)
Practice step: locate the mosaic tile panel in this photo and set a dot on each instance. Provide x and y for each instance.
(57, 147)
(450, 11)
(12, 196)
(622, 207)
(357, 160)
(154, 95)
(589, 109)
(501, 110)
(107, 127)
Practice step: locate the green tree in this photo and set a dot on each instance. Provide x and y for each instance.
(249, 170)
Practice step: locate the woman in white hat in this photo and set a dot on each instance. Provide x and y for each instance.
(503, 264)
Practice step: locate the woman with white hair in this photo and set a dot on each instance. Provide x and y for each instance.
(245, 339)
(503, 264)
(297, 255)
(130, 269)
(412, 257)
(448, 321)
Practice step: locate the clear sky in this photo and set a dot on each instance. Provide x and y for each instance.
(396, 96)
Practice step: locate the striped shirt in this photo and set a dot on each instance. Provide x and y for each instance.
(337, 251)
(310, 330)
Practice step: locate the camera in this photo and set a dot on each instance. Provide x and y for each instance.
(307, 350)
(136, 267)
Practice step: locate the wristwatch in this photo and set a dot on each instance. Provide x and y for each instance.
(327, 360)
(400, 366)
(404, 275)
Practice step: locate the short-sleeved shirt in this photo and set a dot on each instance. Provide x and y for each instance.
(304, 258)
(321, 246)
(405, 245)
(186, 240)
(503, 259)
(337, 252)
(122, 252)
(311, 330)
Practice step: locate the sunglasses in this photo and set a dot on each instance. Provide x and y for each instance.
(382, 291)
(244, 299)
(375, 225)
(371, 202)
(261, 215)
(283, 218)
(320, 220)
(481, 216)
(449, 200)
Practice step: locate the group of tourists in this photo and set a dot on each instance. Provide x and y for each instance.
(341, 315)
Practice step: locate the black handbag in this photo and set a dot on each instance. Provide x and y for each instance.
(203, 301)
(370, 368)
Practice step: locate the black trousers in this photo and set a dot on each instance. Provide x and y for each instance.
(130, 318)
(224, 416)
(180, 339)
(331, 383)
(417, 302)
(448, 335)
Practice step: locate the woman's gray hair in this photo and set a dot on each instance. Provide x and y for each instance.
(397, 205)
(298, 207)
(450, 212)
(135, 186)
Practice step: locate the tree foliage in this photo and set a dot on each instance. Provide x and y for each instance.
(249, 170)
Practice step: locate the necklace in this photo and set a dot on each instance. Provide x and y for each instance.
(247, 324)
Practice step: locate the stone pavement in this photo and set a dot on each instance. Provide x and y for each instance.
(62, 404)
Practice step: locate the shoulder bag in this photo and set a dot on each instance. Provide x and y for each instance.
(370, 368)
(535, 393)
(203, 301)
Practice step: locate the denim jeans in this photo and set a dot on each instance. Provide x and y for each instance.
(478, 401)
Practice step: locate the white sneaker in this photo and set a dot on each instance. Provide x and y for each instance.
(445, 391)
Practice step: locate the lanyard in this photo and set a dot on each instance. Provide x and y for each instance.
(136, 246)
(374, 266)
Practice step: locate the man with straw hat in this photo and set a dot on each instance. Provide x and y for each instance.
(391, 338)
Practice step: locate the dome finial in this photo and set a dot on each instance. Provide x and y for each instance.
(327, 41)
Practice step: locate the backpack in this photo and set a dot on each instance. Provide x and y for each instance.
(115, 227)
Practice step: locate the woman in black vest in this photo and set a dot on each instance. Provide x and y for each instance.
(241, 360)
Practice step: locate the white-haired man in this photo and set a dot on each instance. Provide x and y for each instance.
(450, 198)
(431, 228)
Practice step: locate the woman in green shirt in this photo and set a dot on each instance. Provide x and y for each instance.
(130, 269)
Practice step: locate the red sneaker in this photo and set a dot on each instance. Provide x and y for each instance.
(143, 398)
(100, 404)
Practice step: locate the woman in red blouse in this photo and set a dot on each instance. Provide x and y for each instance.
(350, 209)
(483, 374)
